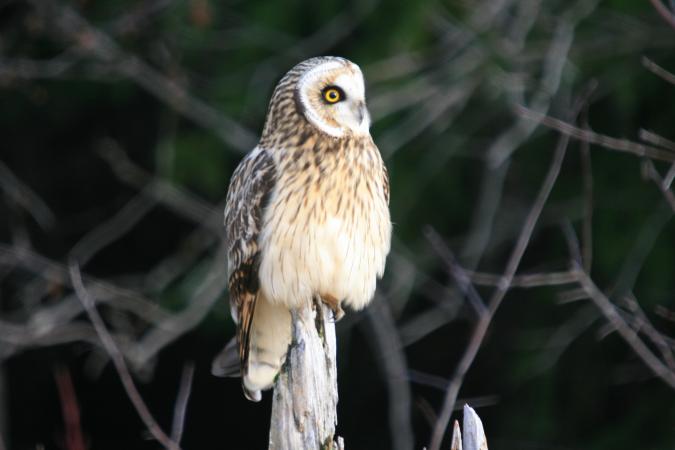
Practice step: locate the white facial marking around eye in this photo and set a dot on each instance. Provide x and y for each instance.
(350, 113)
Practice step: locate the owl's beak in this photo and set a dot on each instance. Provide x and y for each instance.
(361, 112)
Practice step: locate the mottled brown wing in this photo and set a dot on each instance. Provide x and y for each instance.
(249, 192)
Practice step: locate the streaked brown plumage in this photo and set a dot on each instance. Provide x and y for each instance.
(306, 216)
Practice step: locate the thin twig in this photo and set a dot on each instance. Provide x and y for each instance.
(106, 50)
(670, 176)
(69, 409)
(462, 277)
(132, 20)
(621, 145)
(58, 274)
(664, 12)
(112, 229)
(395, 367)
(525, 281)
(658, 70)
(661, 184)
(24, 196)
(118, 360)
(587, 176)
(498, 295)
(644, 326)
(179, 200)
(625, 331)
(174, 326)
(182, 398)
(656, 139)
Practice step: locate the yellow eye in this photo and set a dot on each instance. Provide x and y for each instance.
(332, 95)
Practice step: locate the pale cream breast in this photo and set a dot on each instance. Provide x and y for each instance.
(327, 230)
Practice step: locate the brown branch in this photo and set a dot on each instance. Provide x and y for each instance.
(621, 145)
(656, 177)
(644, 326)
(69, 409)
(118, 360)
(625, 331)
(174, 326)
(180, 201)
(58, 274)
(132, 20)
(664, 12)
(498, 295)
(656, 139)
(524, 281)
(461, 276)
(658, 70)
(75, 29)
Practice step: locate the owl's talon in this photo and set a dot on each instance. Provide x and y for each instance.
(338, 313)
(334, 305)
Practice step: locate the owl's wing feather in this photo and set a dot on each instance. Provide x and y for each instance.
(247, 197)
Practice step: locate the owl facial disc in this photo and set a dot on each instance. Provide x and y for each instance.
(344, 111)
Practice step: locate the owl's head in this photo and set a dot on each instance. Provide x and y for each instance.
(328, 92)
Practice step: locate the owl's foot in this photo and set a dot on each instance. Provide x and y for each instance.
(334, 305)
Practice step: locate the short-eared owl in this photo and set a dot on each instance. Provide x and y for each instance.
(306, 217)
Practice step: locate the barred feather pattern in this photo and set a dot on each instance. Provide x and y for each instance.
(306, 216)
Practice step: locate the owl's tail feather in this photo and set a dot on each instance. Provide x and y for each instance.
(226, 363)
(270, 337)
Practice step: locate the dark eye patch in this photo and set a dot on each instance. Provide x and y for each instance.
(332, 94)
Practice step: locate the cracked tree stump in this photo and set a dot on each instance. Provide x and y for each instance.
(474, 435)
(304, 413)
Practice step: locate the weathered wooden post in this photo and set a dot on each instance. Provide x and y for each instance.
(474, 435)
(304, 413)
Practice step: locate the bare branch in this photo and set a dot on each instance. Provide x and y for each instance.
(664, 12)
(625, 331)
(587, 222)
(180, 201)
(111, 230)
(670, 176)
(555, 61)
(394, 364)
(118, 360)
(663, 186)
(24, 196)
(178, 324)
(621, 145)
(656, 139)
(65, 310)
(498, 295)
(106, 50)
(132, 20)
(524, 281)
(181, 402)
(457, 272)
(643, 325)
(658, 70)
(70, 410)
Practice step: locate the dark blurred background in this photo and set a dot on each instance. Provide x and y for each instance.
(121, 123)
